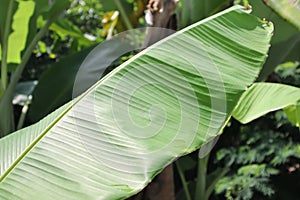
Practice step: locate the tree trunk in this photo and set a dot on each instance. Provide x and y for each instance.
(162, 187)
(160, 14)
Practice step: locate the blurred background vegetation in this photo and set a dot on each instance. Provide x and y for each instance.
(260, 160)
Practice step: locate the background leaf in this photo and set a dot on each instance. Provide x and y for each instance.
(20, 30)
(52, 93)
(289, 10)
(293, 114)
(188, 11)
(284, 42)
(262, 98)
(280, 52)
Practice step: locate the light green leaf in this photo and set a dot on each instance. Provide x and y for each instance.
(262, 98)
(293, 114)
(17, 39)
(163, 103)
(21, 11)
(20, 20)
(287, 9)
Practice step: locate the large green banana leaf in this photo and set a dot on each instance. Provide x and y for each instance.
(165, 102)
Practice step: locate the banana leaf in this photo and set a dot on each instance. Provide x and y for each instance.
(165, 102)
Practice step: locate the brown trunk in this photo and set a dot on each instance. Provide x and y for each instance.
(160, 13)
(162, 187)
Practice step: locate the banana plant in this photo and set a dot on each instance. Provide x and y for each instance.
(165, 102)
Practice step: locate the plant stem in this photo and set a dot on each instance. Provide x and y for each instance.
(23, 113)
(5, 45)
(183, 181)
(5, 123)
(246, 3)
(210, 188)
(201, 178)
(298, 114)
(124, 15)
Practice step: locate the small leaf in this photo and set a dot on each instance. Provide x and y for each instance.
(293, 114)
(64, 27)
(262, 98)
